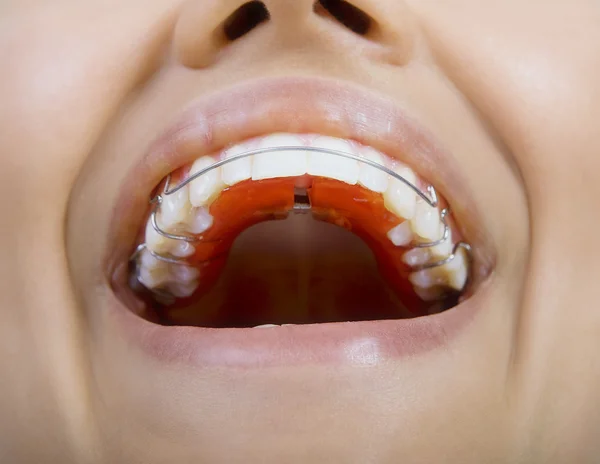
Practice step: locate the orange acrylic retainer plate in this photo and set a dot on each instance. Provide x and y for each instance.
(353, 207)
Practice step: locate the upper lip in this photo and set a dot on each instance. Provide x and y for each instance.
(302, 105)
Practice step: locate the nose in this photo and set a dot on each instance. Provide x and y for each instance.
(205, 28)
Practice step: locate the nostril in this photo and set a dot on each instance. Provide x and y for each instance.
(244, 19)
(350, 16)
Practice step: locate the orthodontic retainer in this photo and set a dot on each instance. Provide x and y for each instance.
(302, 205)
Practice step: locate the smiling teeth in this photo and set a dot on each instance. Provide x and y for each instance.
(187, 211)
(370, 177)
(240, 169)
(332, 166)
(281, 163)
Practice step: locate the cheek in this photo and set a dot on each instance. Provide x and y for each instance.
(533, 76)
(59, 93)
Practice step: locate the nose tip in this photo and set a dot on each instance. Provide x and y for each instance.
(205, 27)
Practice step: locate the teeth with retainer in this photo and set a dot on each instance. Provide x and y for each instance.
(161, 263)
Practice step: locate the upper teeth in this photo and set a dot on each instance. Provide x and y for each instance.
(186, 210)
(334, 167)
(239, 170)
(205, 188)
(399, 198)
(281, 163)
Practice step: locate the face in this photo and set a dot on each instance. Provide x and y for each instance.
(493, 103)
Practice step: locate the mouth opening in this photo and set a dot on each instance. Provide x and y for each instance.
(285, 230)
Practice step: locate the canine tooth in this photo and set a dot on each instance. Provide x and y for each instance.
(372, 178)
(174, 208)
(206, 187)
(426, 222)
(399, 198)
(401, 235)
(416, 257)
(284, 163)
(201, 221)
(333, 166)
(238, 170)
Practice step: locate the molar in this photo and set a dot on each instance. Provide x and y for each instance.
(152, 272)
(182, 289)
(174, 208)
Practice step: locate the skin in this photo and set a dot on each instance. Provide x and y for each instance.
(509, 87)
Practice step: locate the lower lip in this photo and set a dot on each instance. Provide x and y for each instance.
(368, 342)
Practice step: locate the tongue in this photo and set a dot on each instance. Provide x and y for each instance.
(300, 270)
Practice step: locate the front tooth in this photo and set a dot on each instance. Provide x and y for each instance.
(174, 208)
(399, 198)
(370, 177)
(401, 235)
(238, 170)
(333, 166)
(205, 188)
(284, 163)
(426, 222)
(265, 326)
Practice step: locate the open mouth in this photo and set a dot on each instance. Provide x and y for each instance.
(297, 229)
(317, 214)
